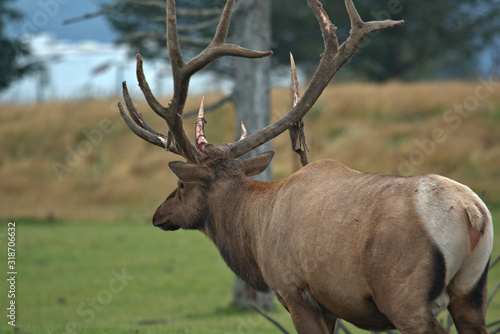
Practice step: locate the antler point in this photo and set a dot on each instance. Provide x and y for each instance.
(202, 108)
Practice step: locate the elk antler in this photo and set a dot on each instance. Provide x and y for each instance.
(333, 58)
(177, 141)
(297, 135)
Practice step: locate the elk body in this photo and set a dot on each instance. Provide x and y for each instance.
(379, 251)
(375, 250)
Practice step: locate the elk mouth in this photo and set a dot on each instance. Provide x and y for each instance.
(167, 226)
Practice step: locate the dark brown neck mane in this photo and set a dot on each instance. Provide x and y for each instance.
(235, 229)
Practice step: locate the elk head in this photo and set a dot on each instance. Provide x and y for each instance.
(187, 206)
(206, 164)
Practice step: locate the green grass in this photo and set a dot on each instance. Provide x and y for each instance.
(173, 282)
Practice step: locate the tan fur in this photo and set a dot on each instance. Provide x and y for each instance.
(378, 251)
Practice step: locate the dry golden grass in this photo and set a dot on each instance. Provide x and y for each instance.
(369, 127)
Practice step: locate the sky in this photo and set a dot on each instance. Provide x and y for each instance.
(71, 59)
(48, 16)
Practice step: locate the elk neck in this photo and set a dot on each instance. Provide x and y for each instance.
(240, 210)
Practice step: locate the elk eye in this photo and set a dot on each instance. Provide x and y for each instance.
(181, 186)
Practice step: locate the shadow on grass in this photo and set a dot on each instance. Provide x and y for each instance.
(224, 311)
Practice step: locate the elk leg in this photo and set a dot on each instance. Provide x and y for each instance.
(411, 319)
(327, 317)
(409, 311)
(331, 321)
(468, 310)
(467, 317)
(308, 320)
(404, 304)
(282, 301)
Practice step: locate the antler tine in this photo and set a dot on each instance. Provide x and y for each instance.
(244, 133)
(136, 116)
(295, 81)
(174, 49)
(223, 26)
(140, 127)
(296, 131)
(153, 103)
(219, 48)
(144, 134)
(333, 58)
(199, 131)
(353, 14)
(327, 28)
(135, 122)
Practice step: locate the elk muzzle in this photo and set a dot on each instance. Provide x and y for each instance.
(161, 220)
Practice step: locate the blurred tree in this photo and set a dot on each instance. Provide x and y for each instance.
(12, 50)
(141, 24)
(440, 38)
(251, 98)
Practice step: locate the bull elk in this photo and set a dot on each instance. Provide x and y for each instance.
(378, 251)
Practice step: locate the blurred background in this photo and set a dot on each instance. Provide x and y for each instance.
(422, 98)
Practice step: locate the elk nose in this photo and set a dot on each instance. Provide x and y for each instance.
(158, 218)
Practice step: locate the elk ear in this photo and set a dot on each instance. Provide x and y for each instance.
(191, 173)
(256, 165)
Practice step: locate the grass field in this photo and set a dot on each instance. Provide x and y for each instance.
(127, 278)
(82, 189)
(132, 278)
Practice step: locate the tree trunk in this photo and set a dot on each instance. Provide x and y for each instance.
(251, 95)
